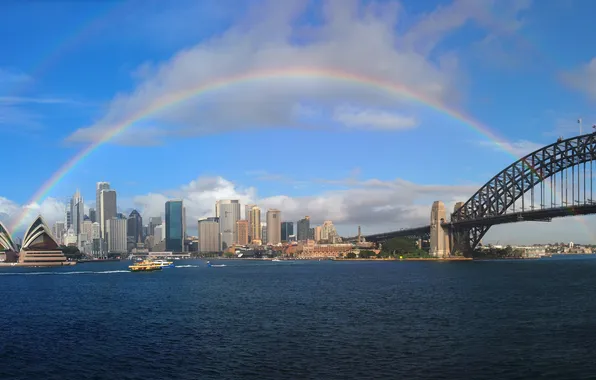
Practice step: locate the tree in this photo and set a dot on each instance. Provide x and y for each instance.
(71, 252)
(351, 255)
(366, 254)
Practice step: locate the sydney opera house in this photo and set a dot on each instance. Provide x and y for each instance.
(39, 246)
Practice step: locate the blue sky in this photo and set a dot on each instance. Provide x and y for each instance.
(309, 146)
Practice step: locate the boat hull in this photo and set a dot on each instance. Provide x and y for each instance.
(144, 269)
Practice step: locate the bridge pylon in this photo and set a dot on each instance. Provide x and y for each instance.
(440, 236)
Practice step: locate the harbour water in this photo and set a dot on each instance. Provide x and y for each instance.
(519, 319)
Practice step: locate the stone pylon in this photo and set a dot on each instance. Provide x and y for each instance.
(439, 235)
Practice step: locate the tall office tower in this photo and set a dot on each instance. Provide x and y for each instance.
(107, 200)
(92, 215)
(264, 233)
(287, 230)
(209, 235)
(242, 232)
(145, 232)
(59, 231)
(68, 217)
(87, 230)
(174, 226)
(273, 226)
(302, 227)
(98, 207)
(158, 232)
(135, 227)
(96, 240)
(77, 212)
(247, 216)
(317, 234)
(311, 233)
(327, 230)
(254, 223)
(116, 235)
(154, 221)
(229, 213)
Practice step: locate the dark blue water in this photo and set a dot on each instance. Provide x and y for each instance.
(307, 320)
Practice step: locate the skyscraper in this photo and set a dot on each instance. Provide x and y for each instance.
(92, 215)
(99, 187)
(242, 232)
(174, 226)
(247, 216)
(107, 200)
(303, 228)
(154, 221)
(255, 231)
(287, 229)
(209, 235)
(273, 226)
(135, 227)
(116, 235)
(229, 214)
(77, 212)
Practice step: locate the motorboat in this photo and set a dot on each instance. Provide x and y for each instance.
(164, 263)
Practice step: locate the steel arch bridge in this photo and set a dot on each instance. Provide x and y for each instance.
(519, 193)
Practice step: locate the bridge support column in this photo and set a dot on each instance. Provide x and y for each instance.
(439, 235)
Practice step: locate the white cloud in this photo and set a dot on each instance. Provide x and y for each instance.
(373, 119)
(583, 79)
(356, 39)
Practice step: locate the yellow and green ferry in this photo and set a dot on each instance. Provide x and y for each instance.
(145, 266)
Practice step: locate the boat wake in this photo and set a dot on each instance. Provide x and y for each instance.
(187, 266)
(60, 273)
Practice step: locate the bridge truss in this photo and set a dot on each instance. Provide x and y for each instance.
(553, 181)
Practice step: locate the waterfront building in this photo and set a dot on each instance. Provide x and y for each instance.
(254, 221)
(40, 247)
(242, 232)
(116, 235)
(287, 230)
(209, 236)
(273, 226)
(174, 226)
(98, 205)
(228, 211)
(303, 228)
(135, 227)
(317, 233)
(6, 242)
(108, 202)
(264, 233)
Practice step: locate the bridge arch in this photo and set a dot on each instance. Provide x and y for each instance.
(500, 195)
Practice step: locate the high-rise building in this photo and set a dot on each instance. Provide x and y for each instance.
(209, 235)
(328, 232)
(229, 213)
(158, 234)
(273, 226)
(107, 200)
(98, 207)
(153, 222)
(174, 226)
(135, 227)
(92, 215)
(96, 247)
(242, 232)
(317, 234)
(303, 227)
(77, 212)
(68, 219)
(247, 216)
(116, 234)
(59, 231)
(255, 231)
(287, 230)
(264, 233)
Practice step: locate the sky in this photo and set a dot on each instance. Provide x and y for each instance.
(359, 112)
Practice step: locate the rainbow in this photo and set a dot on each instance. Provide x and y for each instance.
(169, 100)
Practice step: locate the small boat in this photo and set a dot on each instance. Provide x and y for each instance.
(164, 263)
(276, 260)
(215, 265)
(145, 266)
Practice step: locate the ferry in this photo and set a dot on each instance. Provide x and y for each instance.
(164, 263)
(145, 266)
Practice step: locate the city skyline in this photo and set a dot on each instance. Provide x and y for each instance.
(429, 111)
